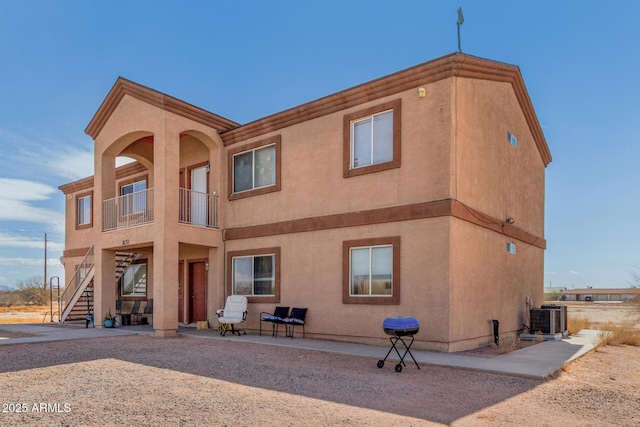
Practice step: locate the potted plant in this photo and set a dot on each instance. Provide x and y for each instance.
(108, 320)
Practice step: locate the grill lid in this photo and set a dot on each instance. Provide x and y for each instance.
(400, 325)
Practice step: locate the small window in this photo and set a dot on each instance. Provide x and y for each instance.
(371, 270)
(255, 168)
(133, 282)
(511, 248)
(372, 139)
(255, 273)
(134, 199)
(512, 139)
(84, 210)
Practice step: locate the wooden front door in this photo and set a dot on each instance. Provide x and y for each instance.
(197, 291)
(181, 292)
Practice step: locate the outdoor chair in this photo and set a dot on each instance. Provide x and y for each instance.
(135, 313)
(275, 319)
(148, 311)
(296, 318)
(234, 312)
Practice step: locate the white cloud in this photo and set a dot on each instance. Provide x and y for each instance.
(3, 279)
(574, 272)
(53, 158)
(29, 262)
(10, 240)
(71, 162)
(16, 196)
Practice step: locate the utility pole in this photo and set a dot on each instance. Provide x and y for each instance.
(45, 261)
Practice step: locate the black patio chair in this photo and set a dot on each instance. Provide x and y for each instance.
(135, 313)
(276, 319)
(296, 318)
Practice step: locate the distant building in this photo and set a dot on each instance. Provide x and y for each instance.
(593, 294)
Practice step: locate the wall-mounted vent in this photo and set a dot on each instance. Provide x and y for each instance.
(512, 139)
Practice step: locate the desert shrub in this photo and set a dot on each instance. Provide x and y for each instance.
(576, 324)
(507, 344)
(29, 292)
(624, 333)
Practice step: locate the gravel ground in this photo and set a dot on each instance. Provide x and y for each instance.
(143, 380)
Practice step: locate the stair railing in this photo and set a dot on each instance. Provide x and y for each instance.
(75, 281)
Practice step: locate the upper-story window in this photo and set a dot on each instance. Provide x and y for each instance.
(135, 200)
(254, 168)
(84, 210)
(84, 215)
(372, 139)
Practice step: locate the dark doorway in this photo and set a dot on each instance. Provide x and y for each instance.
(197, 291)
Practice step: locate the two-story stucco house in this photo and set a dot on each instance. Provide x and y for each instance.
(418, 194)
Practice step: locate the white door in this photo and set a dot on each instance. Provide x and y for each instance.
(199, 200)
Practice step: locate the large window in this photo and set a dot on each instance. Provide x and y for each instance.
(371, 271)
(256, 274)
(133, 282)
(254, 168)
(372, 139)
(84, 217)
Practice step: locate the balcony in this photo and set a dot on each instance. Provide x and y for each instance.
(198, 208)
(130, 210)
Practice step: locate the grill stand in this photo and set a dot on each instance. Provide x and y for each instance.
(394, 340)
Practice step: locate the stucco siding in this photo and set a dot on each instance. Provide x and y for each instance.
(311, 276)
(312, 165)
(493, 176)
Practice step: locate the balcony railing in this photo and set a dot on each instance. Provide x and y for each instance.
(128, 210)
(198, 208)
(195, 208)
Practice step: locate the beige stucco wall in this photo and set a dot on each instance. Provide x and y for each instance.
(489, 283)
(312, 165)
(490, 174)
(311, 276)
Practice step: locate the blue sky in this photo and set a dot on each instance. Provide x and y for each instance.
(248, 59)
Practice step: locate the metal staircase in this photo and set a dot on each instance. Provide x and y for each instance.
(77, 299)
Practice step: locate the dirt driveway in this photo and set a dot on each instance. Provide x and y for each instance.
(142, 380)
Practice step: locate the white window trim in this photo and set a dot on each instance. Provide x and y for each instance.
(253, 274)
(351, 249)
(122, 294)
(253, 165)
(352, 144)
(79, 200)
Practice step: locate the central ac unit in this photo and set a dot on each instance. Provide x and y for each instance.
(548, 320)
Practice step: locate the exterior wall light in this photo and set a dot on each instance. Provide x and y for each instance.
(422, 92)
(510, 220)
